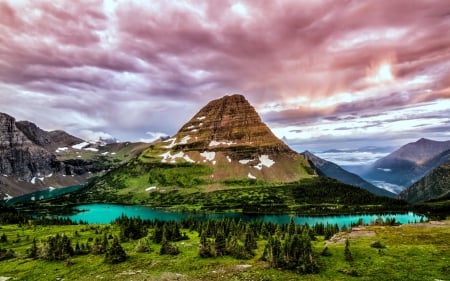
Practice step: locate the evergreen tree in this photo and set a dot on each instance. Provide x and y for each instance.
(33, 251)
(347, 252)
(115, 254)
(220, 244)
(205, 250)
(4, 238)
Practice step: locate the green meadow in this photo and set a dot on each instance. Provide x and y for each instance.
(408, 252)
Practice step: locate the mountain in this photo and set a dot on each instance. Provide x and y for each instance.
(408, 164)
(334, 171)
(229, 137)
(33, 159)
(225, 144)
(435, 184)
(20, 156)
(48, 140)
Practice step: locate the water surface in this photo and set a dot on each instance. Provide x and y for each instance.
(106, 213)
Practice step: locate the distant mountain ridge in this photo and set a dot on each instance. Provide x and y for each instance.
(49, 140)
(409, 163)
(334, 171)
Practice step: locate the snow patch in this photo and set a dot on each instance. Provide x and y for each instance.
(41, 179)
(61, 149)
(250, 176)
(264, 160)
(49, 175)
(188, 159)
(5, 175)
(172, 143)
(214, 162)
(229, 159)
(185, 140)
(33, 180)
(113, 153)
(201, 118)
(150, 188)
(201, 124)
(167, 157)
(208, 155)
(191, 127)
(7, 197)
(91, 149)
(245, 161)
(80, 145)
(194, 130)
(216, 143)
(51, 188)
(104, 153)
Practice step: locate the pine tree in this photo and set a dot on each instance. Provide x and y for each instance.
(115, 254)
(33, 251)
(347, 252)
(220, 244)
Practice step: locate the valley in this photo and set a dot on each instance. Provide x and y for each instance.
(222, 199)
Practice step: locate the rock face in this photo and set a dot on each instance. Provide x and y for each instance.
(434, 185)
(49, 140)
(409, 163)
(231, 122)
(19, 156)
(332, 170)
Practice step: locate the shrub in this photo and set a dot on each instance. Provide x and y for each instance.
(377, 245)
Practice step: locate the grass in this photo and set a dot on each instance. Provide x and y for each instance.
(413, 252)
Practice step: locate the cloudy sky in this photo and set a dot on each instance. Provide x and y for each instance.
(322, 74)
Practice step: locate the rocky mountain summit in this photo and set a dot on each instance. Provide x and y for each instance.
(229, 136)
(49, 140)
(230, 122)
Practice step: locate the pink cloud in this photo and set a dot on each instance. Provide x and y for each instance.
(193, 51)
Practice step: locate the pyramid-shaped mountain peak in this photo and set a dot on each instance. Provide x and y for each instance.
(229, 122)
(229, 136)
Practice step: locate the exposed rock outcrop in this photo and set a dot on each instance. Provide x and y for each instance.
(19, 156)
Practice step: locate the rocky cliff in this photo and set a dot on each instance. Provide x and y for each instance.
(19, 156)
(49, 140)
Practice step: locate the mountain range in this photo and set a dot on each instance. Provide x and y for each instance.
(225, 144)
(408, 164)
(33, 159)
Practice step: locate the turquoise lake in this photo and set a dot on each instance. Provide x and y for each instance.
(106, 213)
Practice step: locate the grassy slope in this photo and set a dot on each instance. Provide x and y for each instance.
(413, 252)
(147, 170)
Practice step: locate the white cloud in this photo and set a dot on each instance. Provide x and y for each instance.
(90, 135)
(152, 136)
